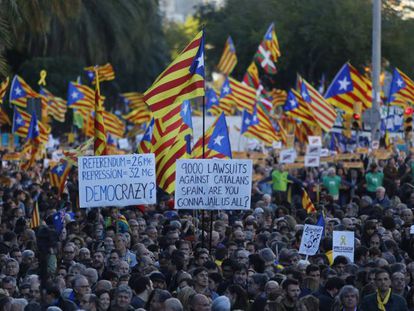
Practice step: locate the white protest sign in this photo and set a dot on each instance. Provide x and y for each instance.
(287, 156)
(375, 144)
(117, 180)
(311, 238)
(312, 161)
(213, 184)
(324, 152)
(315, 140)
(343, 244)
(313, 150)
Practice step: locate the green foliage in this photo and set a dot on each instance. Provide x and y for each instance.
(316, 36)
(127, 33)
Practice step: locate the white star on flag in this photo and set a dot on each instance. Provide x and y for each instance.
(75, 95)
(185, 108)
(304, 95)
(200, 61)
(247, 121)
(343, 84)
(292, 102)
(149, 133)
(226, 89)
(19, 120)
(218, 139)
(399, 82)
(214, 100)
(18, 91)
(254, 118)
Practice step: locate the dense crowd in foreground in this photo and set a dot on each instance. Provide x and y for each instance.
(155, 258)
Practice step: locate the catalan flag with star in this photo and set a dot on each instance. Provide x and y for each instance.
(80, 97)
(58, 175)
(216, 141)
(401, 88)
(295, 107)
(20, 92)
(258, 125)
(348, 87)
(145, 144)
(323, 112)
(228, 59)
(183, 79)
(106, 73)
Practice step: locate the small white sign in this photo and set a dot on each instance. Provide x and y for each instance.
(117, 180)
(375, 144)
(311, 238)
(213, 184)
(412, 229)
(312, 161)
(287, 156)
(343, 244)
(313, 150)
(315, 141)
(324, 152)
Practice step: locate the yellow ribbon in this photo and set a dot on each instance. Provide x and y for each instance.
(343, 240)
(382, 302)
(43, 74)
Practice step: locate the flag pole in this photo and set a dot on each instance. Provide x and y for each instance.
(203, 152)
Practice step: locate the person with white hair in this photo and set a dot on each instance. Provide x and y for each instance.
(18, 304)
(173, 304)
(381, 198)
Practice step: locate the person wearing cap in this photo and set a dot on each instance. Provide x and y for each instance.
(158, 280)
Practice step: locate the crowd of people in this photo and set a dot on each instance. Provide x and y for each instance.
(156, 258)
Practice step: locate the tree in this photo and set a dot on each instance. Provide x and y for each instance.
(316, 36)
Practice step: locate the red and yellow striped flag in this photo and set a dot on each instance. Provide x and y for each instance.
(3, 89)
(106, 73)
(100, 134)
(228, 59)
(307, 203)
(183, 79)
(4, 118)
(35, 220)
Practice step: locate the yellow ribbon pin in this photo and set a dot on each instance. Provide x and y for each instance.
(343, 240)
(43, 74)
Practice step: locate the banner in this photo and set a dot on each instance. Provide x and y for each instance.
(213, 184)
(311, 238)
(117, 180)
(343, 244)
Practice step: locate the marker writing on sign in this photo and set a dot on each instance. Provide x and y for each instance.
(117, 192)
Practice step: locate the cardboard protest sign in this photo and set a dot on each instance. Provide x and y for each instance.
(287, 156)
(343, 244)
(313, 150)
(312, 161)
(311, 238)
(213, 184)
(117, 180)
(375, 144)
(315, 141)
